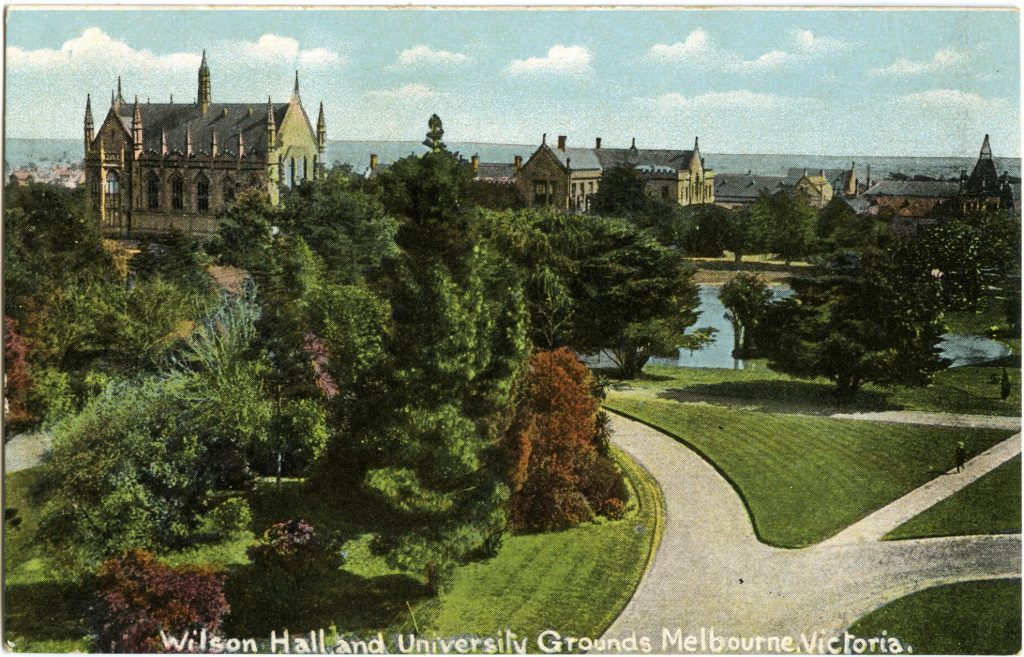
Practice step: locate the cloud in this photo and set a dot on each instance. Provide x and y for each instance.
(563, 60)
(819, 45)
(953, 100)
(410, 93)
(422, 55)
(698, 49)
(740, 99)
(940, 61)
(273, 49)
(96, 49)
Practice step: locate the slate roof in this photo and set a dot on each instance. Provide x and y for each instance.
(598, 159)
(495, 171)
(915, 188)
(227, 119)
(745, 187)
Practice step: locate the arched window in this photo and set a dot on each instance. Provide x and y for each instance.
(229, 191)
(177, 193)
(305, 168)
(202, 193)
(113, 182)
(153, 191)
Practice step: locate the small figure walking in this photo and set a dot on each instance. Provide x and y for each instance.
(1006, 387)
(960, 456)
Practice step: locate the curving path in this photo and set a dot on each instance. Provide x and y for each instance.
(710, 570)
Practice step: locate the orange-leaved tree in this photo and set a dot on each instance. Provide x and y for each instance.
(559, 471)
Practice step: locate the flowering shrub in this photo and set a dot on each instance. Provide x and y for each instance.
(294, 546)
(138, 596)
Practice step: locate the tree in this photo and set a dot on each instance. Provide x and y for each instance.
(456, 345)
(784, 225)
(623, 193)
(557, 473)
(745, 298)
(138, 597)
(349, 229)
(972, 257)
(175, 257)
(633, 297)
(246, 232)
(17, 377)
(861, 319)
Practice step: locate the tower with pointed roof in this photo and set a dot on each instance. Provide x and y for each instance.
(985, 190)
(153, 166)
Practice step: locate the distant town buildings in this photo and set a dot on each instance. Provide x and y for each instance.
(151, 166)
(984, 190)
(567, 177)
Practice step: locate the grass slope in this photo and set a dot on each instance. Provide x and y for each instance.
(970, 618)
(806, 478)
(969, 389)
(990, 505)
(578, 580)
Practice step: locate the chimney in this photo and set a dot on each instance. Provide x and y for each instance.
(373, 161)
(633, 145)
(474, 162)
(561, 142)
(597, 143)
(519, 162)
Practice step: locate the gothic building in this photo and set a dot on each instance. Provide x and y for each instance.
(985, 190)
(153, 166)
(568, 178)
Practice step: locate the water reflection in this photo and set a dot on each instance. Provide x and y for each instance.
(960, 349)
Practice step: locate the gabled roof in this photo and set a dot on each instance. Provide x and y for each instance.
(579, 159)
(650, 160)
(227, 119)
(915, 188)
(742, 187)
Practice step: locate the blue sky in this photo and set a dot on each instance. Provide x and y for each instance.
(865, 82)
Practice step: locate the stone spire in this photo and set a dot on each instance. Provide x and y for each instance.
(137, 129)
(163, 141)
(203, 97)
(241, 145)
(213, 143)
(88, 127)
(271, 126)
(986, 150)
(321, 130)
(188, 141)
(120, 96)
(295, 91)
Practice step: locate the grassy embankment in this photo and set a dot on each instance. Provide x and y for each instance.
(575, 581)
(990, 505)
(804, 479)
(969, 618)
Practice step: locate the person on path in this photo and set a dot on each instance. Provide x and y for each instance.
(960, 456)
(1005, 388)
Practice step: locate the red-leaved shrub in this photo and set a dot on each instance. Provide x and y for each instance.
(17, 378)
(557, 472)
(294, 546)
(138, 596)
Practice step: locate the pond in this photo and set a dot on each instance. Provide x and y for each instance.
(960, 349)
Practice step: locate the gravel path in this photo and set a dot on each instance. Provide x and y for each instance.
(891, 516)
(710, 570)
(936, 419)
(25, 451)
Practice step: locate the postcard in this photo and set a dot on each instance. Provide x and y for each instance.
(480, 330)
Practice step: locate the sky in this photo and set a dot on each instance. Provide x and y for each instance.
(857, 82)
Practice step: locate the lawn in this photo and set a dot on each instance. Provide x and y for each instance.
(802, 478)
(970, 618)
(990, 505)
(973, 389)
(576, 581)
